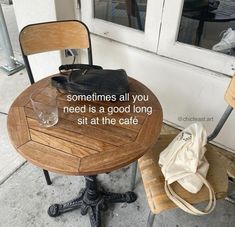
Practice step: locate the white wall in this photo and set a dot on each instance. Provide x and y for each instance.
(65, 10)
(182, 89)
(36, 11)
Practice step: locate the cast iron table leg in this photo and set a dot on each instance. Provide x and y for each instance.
(92, 201)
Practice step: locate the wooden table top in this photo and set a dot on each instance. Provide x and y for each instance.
(73, 149)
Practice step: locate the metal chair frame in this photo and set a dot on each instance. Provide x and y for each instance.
(30, 74)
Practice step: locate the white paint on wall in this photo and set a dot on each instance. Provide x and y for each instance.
(65, 10)
(29, 12)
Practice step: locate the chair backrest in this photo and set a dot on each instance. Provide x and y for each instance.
(51, 36)
(230, 93)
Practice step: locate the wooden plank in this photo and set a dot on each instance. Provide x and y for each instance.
(151, 128)
(111, 160)
(95, 132)
(114, 129)
(75, 116)
(118, 131)
(71, 136)
(63, 35)
(17, 126)
(59, 144)
(49, 158)
(130, 129)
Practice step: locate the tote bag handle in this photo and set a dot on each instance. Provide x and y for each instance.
(187, 207)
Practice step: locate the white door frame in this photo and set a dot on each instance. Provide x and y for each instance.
(170, 47)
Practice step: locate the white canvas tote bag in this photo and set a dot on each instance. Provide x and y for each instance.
(184, 161)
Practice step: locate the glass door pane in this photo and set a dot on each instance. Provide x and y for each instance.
(130, 13)
(209, 24)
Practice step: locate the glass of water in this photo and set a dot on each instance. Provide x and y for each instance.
(44, 105)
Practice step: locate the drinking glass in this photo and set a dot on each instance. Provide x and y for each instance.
(44, 105)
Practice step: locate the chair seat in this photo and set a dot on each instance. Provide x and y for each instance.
(153, 178)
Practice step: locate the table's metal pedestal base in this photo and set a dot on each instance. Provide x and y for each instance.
(91, 201)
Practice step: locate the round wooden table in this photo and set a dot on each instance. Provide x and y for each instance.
(88, 150)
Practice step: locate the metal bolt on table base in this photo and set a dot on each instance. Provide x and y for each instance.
(92, 201)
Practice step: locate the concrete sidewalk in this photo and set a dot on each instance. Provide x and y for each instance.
(10, 88)
(25, 198)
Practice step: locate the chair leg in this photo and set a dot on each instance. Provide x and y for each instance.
(133, 174)
(230, 199)
(150, 219)
(231, 191)
(47, 176)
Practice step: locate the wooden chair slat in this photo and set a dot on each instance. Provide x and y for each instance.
(64, 35)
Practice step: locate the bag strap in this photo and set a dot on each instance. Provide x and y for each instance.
(187, 207)
(79, 66)
(59, 82)
(62, 82)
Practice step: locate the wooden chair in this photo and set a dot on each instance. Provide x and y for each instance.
(58, 35)
(51, 36)
(153, 178)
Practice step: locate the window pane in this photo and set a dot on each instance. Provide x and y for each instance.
(209, 24)
(130, 13)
